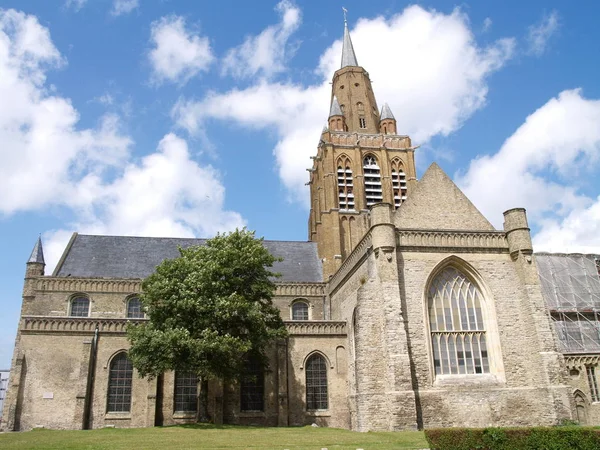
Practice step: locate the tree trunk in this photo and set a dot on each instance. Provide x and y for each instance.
(203, 416)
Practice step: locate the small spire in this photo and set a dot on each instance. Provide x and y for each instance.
(348, 56)
(335, 108)
(386, 113)
(37, 255)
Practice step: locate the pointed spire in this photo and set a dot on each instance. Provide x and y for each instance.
(37, 255)
(335, 108)
(348, 56)
(386, 113)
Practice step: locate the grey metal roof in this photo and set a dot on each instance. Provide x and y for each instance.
(37, 254)
(136, 257)
(348, 56)
(386, 112)
(335, 109)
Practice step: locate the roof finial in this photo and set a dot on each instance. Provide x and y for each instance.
(348, 56)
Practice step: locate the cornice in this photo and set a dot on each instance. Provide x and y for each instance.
(578, 361)
(451, 240)
(316, 327)
(300, 289)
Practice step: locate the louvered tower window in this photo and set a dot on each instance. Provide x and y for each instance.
(345, 186)
(398, 183)
(457, 329)
(373, 193)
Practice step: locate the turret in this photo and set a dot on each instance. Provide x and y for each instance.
(337, 121)
(387, 121)
(36, 263)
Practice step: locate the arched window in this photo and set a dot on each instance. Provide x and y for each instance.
(134, 308)
(186, 390)
(80, 306)
(300, 311)
(119, 384)
(345, 185)
(398, 182)
(373, 193)
(316, 382)
(456, 321)
(252, 388)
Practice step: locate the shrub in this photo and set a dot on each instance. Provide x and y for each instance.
(535, 438)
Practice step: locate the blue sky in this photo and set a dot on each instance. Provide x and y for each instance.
(183, 118)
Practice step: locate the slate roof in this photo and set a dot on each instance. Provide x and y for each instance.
(136, 257)
(335, 109)
(348, 56)
(37, 254)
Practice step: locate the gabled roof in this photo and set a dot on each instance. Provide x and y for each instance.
(136, 257)
(37, 254)
(348, 56)
(438, 204)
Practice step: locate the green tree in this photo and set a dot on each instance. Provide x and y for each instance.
(208, 310)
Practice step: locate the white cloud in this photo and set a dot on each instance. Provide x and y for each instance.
(267, 52)
(438, 83)
(542, 167)
(48, 161)
(539, 34)
(75, 4)
(177, 54)
(487, 24)
(121, 7)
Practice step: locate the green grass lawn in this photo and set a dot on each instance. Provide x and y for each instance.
(213, 437)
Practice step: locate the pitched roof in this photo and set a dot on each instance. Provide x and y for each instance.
(136, 257)
(386, 113)
(438, 204)
(37, 254)
(348, 56)
(335, 109)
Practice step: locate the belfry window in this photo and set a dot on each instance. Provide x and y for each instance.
(398, 183)
(80, 307)
(345, 186)
(186, 392)
(119, 384)
(457, 329)
(300, 311)
(134, 308)
(362, 122)
(252, 389)
(373, 193)
(316, 383)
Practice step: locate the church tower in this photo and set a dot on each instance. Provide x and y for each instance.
(361, 161)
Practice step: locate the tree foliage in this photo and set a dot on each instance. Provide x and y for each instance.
(208, 309)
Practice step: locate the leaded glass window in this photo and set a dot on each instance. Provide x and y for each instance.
(134, 308)
(80, 307)
(457, 329)
(372, 178)
(316, 383)
(186, 391)
(300, 311)
(119, 384)
(252, 389)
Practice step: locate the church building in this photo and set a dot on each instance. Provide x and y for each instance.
(406, 309)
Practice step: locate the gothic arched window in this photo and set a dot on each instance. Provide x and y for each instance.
(252, 388)
(456, 322)
(80, 306)
(345, 185)
(134, 308)
(316, 382)
(119, 384)
(398, 182)
(372, 173)
(300, 310)
(186, 391)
